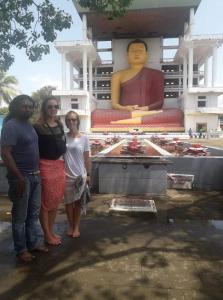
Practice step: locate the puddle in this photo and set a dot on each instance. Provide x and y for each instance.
(218, 224)
(4, 226)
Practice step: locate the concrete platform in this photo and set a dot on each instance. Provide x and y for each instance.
(122, 256)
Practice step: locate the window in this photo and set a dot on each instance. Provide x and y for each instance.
(104, 96)
(201, 101)
(74, 103)
(171, 95)
(201, 127)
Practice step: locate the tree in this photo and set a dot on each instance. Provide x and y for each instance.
(43, 93)
(113, 8)
(7, 87)
(29, 24)
(4, 110)
(38, 97)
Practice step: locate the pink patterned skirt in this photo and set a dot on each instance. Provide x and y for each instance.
(53, 183)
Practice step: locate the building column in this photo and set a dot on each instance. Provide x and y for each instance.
(206, 72)
(190, 67)
(214, 66)
(185, 73)
(185, 28)
(85, 70)
(84, 28)
(71, 76)
(90, 77)
(63, 67)
(191, 21)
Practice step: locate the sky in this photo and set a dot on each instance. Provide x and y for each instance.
(34, 75)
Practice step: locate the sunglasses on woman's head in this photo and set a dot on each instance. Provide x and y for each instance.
(50, 106)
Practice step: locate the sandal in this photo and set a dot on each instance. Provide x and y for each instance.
(25, 256)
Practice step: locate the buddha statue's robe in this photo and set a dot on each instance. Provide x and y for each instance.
(146, 88)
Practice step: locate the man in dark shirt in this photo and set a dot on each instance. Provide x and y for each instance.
(19, 150)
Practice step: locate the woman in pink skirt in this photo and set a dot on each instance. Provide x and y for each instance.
(52, 146)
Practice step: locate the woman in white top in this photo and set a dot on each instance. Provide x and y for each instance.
(77, 167)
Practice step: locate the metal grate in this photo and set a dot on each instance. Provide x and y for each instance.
(133, 204)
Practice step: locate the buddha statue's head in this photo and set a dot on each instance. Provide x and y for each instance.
(137, 53)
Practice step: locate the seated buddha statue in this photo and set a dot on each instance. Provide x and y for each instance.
(137, 95)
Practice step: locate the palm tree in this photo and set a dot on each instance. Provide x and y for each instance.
(7, 87)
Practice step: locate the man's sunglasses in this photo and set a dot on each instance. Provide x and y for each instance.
(71, 120)
(52, 106)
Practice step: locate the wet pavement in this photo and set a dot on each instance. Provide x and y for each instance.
(176, 255)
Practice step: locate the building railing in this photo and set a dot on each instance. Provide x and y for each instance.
(171, 86)
(107, 62)
(103, 88)
(175, 73)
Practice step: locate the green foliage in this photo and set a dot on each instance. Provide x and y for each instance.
(7, 87)
(112, 8)
(4, 110)
(28, 24)
(43, 93)
(38, 97)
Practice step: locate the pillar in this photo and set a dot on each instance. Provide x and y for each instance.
(84, 28)
(206, 72)
(214, 66)
(185, 73)
(191, 21)
(90, 77)
(85, 70)
(71, 77)
(190, 67)
(63, 67)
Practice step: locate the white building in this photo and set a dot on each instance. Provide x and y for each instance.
(189, 61)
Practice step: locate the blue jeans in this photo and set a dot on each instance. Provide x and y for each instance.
(25, 212)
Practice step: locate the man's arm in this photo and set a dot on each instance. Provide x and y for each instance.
(6, 153)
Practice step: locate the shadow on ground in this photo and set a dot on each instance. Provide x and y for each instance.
(127, 257)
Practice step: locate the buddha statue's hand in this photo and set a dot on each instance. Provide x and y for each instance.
(144, 108)
(131, 107)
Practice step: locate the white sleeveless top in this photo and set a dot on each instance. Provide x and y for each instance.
(74, 156)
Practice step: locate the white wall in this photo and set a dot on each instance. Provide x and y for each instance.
(65, 103)
(191, 100)
(190, 121)
(119, 49)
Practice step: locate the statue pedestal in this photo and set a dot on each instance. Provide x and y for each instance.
(141, 129)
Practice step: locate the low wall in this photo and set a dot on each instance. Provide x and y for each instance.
(207, 171)
(132, 179)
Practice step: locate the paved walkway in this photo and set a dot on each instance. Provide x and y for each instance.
(126, 257)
